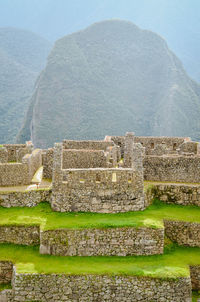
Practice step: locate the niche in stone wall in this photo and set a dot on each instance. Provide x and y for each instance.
(98, 178)
(129, 178)
(114, 177)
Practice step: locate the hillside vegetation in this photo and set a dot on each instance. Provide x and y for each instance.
(108, 79)
(22, 56)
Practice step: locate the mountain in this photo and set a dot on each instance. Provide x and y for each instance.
(22, 56)
(176, 20)
(111, 78)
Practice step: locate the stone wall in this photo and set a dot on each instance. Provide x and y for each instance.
(83, 159)
(25, 235)
(47, 162)
(93, 288)
(89, 145)
(184, 233)
(128, 149)
(3, 155)
(150, 143)
(172, 169)
(6, 270)
(102, 242)
(22, 152)
(195, 277)
(13, 150)
(25, 198)
(98, 190)
(14, 174)
(17, 151)
(189, 147)
(6, 295)
(183, 194)
(105, 190)
(34, 162)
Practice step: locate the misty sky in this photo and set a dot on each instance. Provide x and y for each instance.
(56, 18)
(177, 21)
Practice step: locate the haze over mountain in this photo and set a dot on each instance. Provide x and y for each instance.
(176, 20)
(22, 57)
(111, 78)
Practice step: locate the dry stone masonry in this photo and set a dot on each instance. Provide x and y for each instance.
(103, 288)
(184, 233)
(178, 168)
(20, 164)
(182, 194)
(6, 270)
(195, 277)
(107, 177)
(102, 242)
(104, 190)
(25, 235)
(30, 198)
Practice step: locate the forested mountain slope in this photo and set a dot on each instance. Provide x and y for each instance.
(22, 56)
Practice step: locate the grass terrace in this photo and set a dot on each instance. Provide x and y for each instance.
(48, 220)
(5, 286)
(173, 263)
(195, 296)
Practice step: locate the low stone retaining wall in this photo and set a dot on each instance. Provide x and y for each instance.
(195, 277)
(182, 194)
(24, 199)
(102, 242)
(88, 288)
(184, 233)
(26, 235)
(6, 270)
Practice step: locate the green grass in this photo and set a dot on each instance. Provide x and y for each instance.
(195, 295)
(5, 286)
(152, 217)
(172, 264)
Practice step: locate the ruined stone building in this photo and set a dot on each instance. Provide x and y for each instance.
(106, 176)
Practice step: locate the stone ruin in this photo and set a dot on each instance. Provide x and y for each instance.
(18, 164)
(106, 185)
(106, 177)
